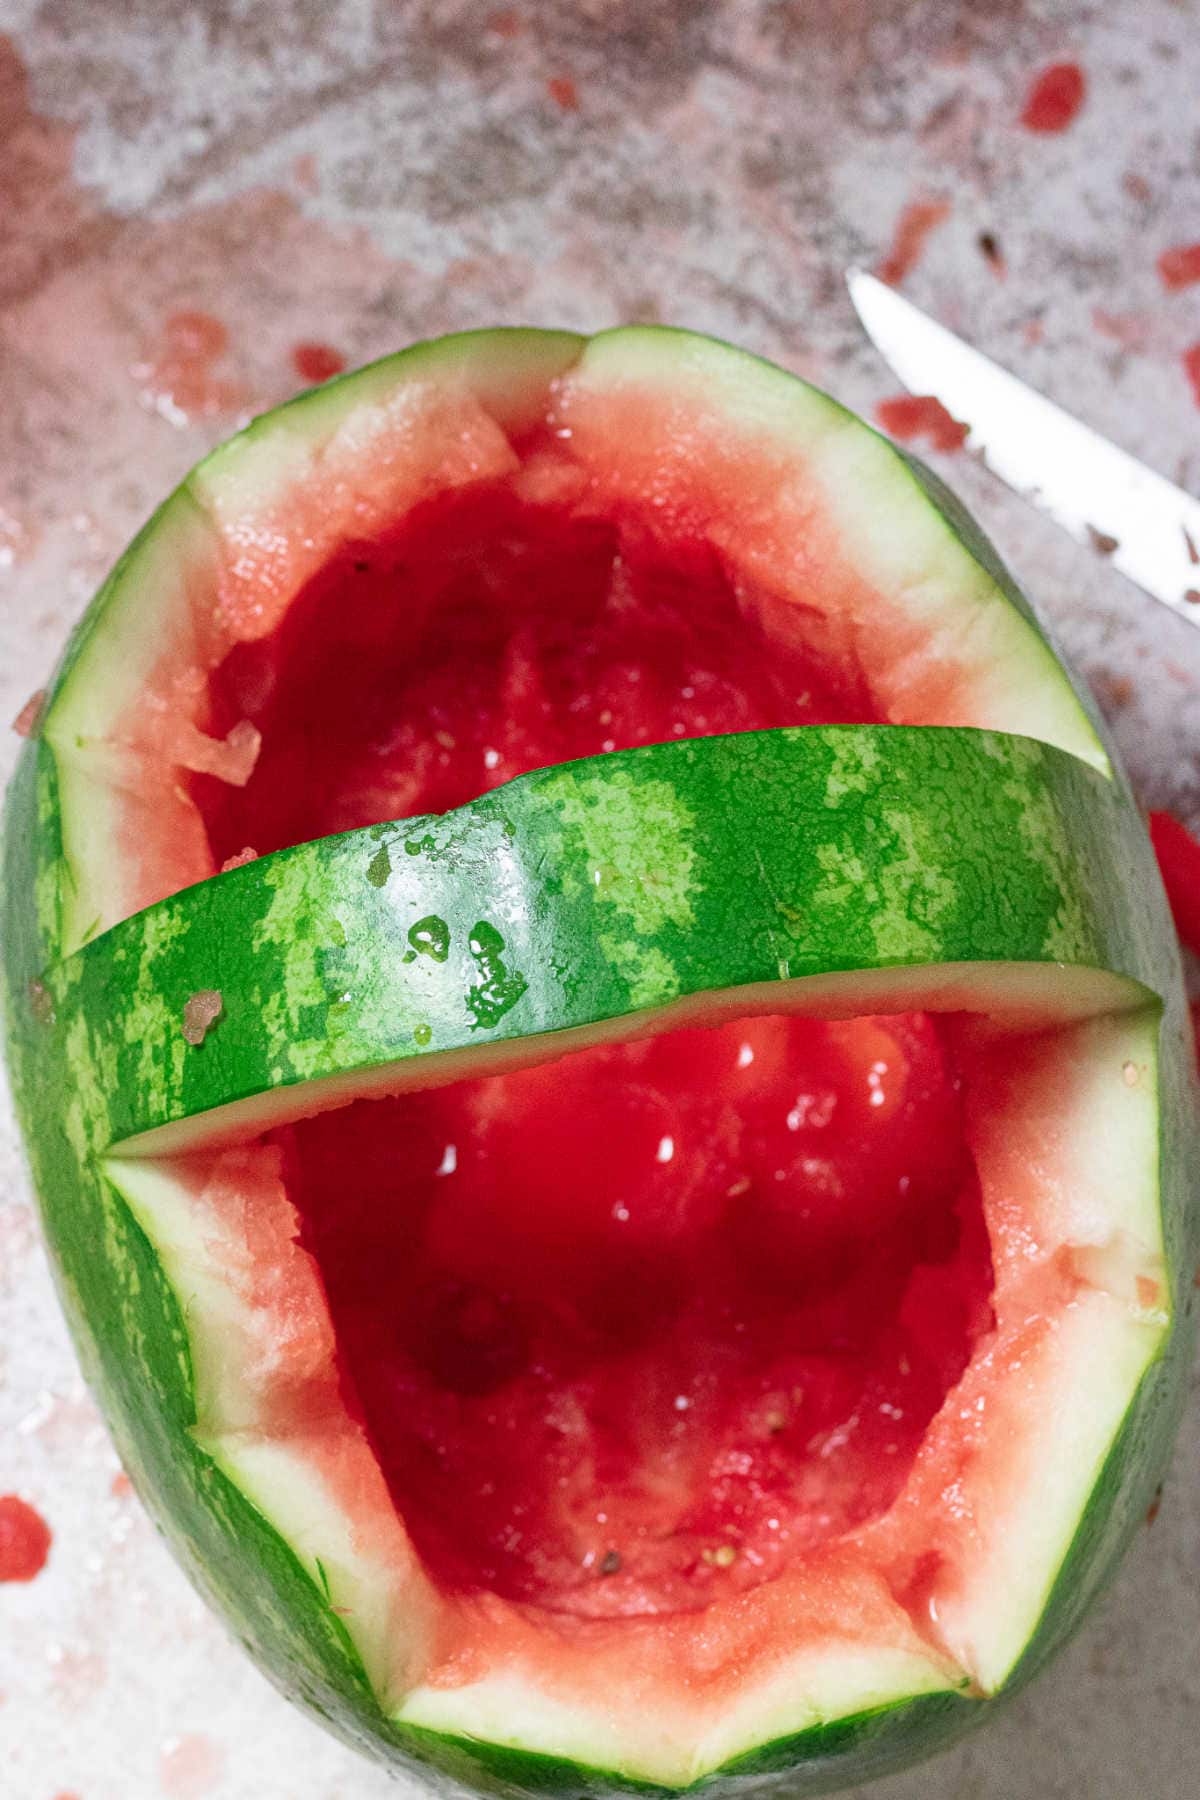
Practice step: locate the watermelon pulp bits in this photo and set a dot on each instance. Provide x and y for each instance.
(771, 1379)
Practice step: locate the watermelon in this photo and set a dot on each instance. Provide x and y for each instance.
(606, 1066)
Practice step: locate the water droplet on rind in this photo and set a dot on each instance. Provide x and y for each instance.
(499, 990)
(422, 1034)
(430, 936)
(485, 940)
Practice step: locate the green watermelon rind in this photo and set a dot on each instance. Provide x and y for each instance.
(580, 894)
(822, 1760)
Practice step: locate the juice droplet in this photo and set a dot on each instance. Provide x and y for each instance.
(1055, 98)
(24, 1540)
(26, 722)
(563, 92)
(317, 362)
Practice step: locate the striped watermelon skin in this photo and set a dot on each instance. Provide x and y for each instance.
(586, 894)
(997, 868)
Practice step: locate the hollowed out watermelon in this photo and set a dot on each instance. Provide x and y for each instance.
(658, 1253)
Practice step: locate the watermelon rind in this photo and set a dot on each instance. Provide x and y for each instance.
(797, 867)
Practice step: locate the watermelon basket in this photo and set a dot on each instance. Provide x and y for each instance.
(606, 1067)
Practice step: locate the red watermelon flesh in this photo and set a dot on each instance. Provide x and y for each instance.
(636, 1327)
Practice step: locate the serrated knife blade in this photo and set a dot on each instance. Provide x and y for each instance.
(1149, 528)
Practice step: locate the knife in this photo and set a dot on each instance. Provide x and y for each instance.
(1148, 528)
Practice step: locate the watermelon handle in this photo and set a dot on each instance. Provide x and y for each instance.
(587, 899)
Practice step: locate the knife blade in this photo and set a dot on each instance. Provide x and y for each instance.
(1148, 528)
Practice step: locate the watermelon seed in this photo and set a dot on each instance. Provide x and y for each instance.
(422, 1034)
(1103, 543)
(201, 1011)
(610, 1563)
(990, 248)
(723, 1557)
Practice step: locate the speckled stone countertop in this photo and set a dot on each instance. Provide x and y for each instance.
(348, 177)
